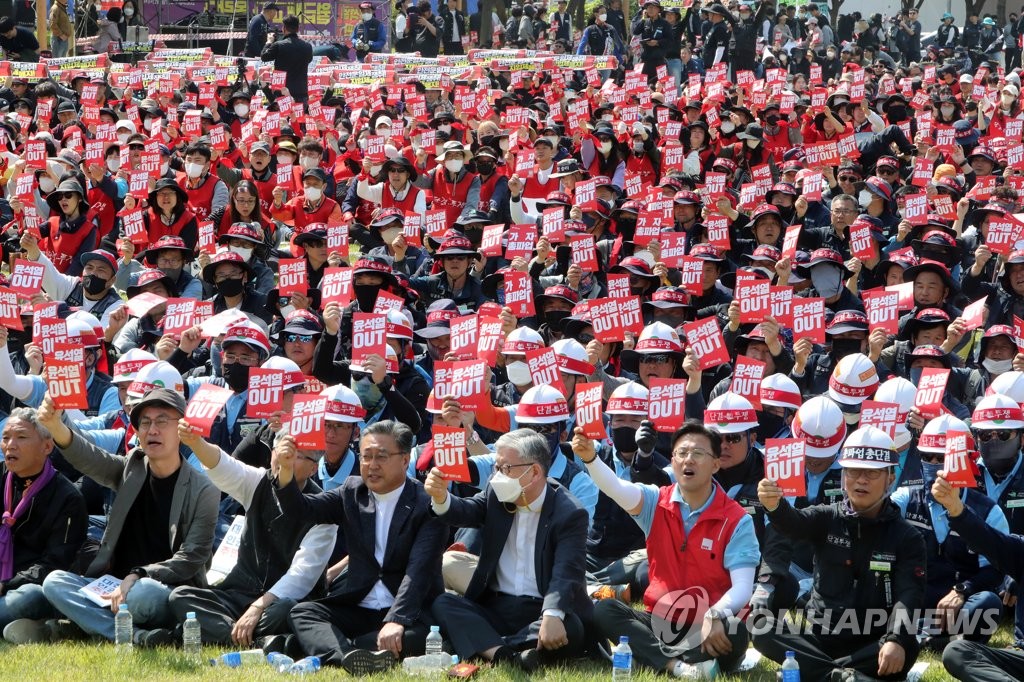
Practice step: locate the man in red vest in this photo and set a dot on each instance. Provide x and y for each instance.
(702, 551)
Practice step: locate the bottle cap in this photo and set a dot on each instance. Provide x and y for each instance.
(623, 639)
(122, 607)
(191, 615)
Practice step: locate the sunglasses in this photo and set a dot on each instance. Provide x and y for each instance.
(733, 437)
(848, 178)
(658, 359)
(359, 376)
(932, 457)
(300, 338)
(985, 435)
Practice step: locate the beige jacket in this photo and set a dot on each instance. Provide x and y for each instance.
(60, 23)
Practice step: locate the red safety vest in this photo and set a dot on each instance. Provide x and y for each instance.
(679, 560)
(535, 189)
(157, 229)
(265, 188)
(643, 166)
(487, 191)
(200, 199)
(102, 206)
(452, 198)
(62, 247)
(407, 205)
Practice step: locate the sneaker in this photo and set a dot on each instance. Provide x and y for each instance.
(705, 670)
(149, 639)
(359, 662)
(27, 631)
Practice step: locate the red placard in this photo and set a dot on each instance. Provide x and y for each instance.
(665, 406)
(435, 222)
(784, 463)
(618, 285)
(266, 392)
(584, 252)
(809, 319)
(450, 452)
(462, 380)
(884, 416)
(862, 244)
(974, 314)
(51, 332)
(489, 339)
(35, 154)
(10, 311)
(544, 368)
(140, 305)
(604, 318)
(490, 244)
(1018, 333)
(957, 467)
(519, 293)
(463, 337)
(629, 314)
(915, 210)
(291, 277)
(386, 301)
(705, 337)
(922, 172)
(336, 286)
(307, 422)
(752, 292)
(553, 224)
(337, 239)
(746, 379)
(789, 242)
(65, 377)
(178, 318)
(782, 305)
(1003, 234)
(522, 239)
(930, 390)
(204, 407)
(207, 237)
(368, 336)
(882, 308)
(589, 415)
(27, 277)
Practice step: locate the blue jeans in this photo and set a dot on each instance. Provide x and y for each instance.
(26, 601)
(147, 601)
(675, 69)
(979, 603)
(58, 47)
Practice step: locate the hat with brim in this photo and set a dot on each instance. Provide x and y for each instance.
(167, 243)
(456, 246)
(440, 313)
(924, 319)
(314, 234)
(147, 277)
(824, 257)
(910, 274)
(168, 183)
(401, 163)
(67, 187)
(225, 257)
(158, 397)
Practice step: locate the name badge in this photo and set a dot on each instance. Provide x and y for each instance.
(1015, 504)
(880, 566)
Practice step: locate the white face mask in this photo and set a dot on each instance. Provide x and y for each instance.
(638, 147)
(113, 164)
(312, 193)
(503, 144)
(1008, 101)
(384, 132)
(367, 16)
(752, 144)
(242, 251)
(193, 170)
(375, 170)
(728, 127)
(46, 185)
(164, 167)
(445, 128)
(506, 488)
(453, 165)
(241, 110)
(997, 366)
(864, 198)
(608, 117)
(518, 373)
(602, 17)
(284, 159)
(123, 139)
(128, 12)
(606, 147)
(390, 234)
(308, 162)
(148, 124)
(287, 310)
(947, 111)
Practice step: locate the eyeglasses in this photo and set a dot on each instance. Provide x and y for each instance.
(869, 474)
(314, 460)
(299, 338)
(733, 437)
(695, 454)
(887, 171)
(455, 258)
(378, 457)
(169, 262)
(544, 429)
(985, 435)
(848, 178)
(137, 147)
(843, 211)
(245, 202)
(219, 279)
(160, 423)
(657, 359)
(507, 468)
(248, 360)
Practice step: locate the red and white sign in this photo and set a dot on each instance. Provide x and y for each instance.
(27, 277)
(140, 305)
(784, 463)
(65, 377)
(974, 314)
(544, 368)
(604, 316)
(10, 311)
(957, 467)
(462, 380)
(204, 407)
(1003, 234)
(882, 308)
(291, 277)
(336, 286)
(368, 336)
(862, 244)
(489, 339)
(618, 285)
(337, 239)
(519, 293)
(450, 452)
(666, 402)
(782, 305)
(589, 414)
(746, 379)
(463, 337)
(179, 316)
(584, 252)
(266, 392)
(386, 301)
(884, 416)
(307, 422)
(705, 337)
(752, 293)
(930, 389)
(629, 314)
(522, 239)
(809, 319)
(789, 242)
(915, 210)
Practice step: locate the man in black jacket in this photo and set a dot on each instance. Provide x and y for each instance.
(716, 42)
(259, 27)
(655, 35)
(18, 42)
(526, 602)
(48, 513)
(292, 55)
(426, 37)
(453, 27)
(377, 613)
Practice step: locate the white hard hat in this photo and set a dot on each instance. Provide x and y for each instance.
(159, 374)
(819, 422)
(83, 331)
(869, 447)
(933, 435)
(398, 325)
(128, 365)
(629, 398)
(522, 339)
(778, 390)
(853, 380)
(1010, 384)
(658, 337)
(997, 411)
(542, 405)
(901, 392)
(571, 357)
(730, 413)
(293, 376)
(343, 405)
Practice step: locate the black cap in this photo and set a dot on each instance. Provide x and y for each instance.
(162, 397)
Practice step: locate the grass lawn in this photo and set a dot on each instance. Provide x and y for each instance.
(91, 662)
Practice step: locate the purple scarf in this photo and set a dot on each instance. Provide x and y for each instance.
(11, 517)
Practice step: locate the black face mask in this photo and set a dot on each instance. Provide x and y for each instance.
(897, 114)
(94, 284)
(19, 338)
(553, 318)
(173, 273)
(366, 296)
(230, 287)
(488, 141)
(485, 168)
(236, 376)
(772, 120)
(843, 347)
(474, 235)
(624, 438)
(768, 425)
(627, 228)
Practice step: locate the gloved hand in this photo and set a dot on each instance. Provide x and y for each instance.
(646, 438)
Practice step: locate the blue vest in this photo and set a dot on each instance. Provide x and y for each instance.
(949, 562)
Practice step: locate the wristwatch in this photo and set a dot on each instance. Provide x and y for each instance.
(961, 589)
(714, 614)
(139, 571)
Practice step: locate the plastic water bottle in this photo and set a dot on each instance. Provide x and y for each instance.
(434, 641)
(790, 668)
(305, 666)
(192, 639)
(279, 662)
(622, 660)
(123, 629)
(237, 659)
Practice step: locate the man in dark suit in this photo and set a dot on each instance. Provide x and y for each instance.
(526, 602)
(292, 55)
(374, 614)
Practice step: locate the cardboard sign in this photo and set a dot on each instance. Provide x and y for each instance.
(544, 368)
(605, 319)
(179, 315)
(307, 422)
(553, 224)
(522, 239)
(630, 315)
(10, 311)
(65, 377)
(207, 237)
(337, 239)
(462, 380)
(133, 225)
(489, 339)
(930, 390)
(789, 242)
(752, 293)
(809, 319)
(386, 301)
(882, 308)
(291, 277)
(285, 177)
(782, 305)
(463, 337)
(368, 336)
(957, 465)
(915, 209)
(27, 277)
(336, 286)
(881, 415)
(705, 337)
(666, 404)
(784, 463)
(584, 252)
(266, 392)
(204, 407)
(140, 305)
(35, 155)
(974, 314)
(589, 413)
(862, 244)
(618, 285)
(519, 293)
(435, 222)
(586, 190)
(746, 379)
(450, 452)
(923, 169)
(1003, 233)
(490, 243)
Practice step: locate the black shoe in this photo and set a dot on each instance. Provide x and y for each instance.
(935, 643)
(360, 662)
(528, 661)
(274, 643)
(148, 639)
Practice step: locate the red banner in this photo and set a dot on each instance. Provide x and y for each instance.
(266, 392)
(204, 407)
(784, 463)
(450, 452)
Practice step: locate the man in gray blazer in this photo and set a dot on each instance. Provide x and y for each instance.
(160, 531)
(526, 602)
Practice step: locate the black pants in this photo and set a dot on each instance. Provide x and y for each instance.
(975, 662)
(818, 655)
(614, 619)
(453, 48)
(217, 610)
(331, 630)
(501, 620)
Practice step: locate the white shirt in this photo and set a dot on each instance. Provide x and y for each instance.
(517, 570)
(380, 597)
